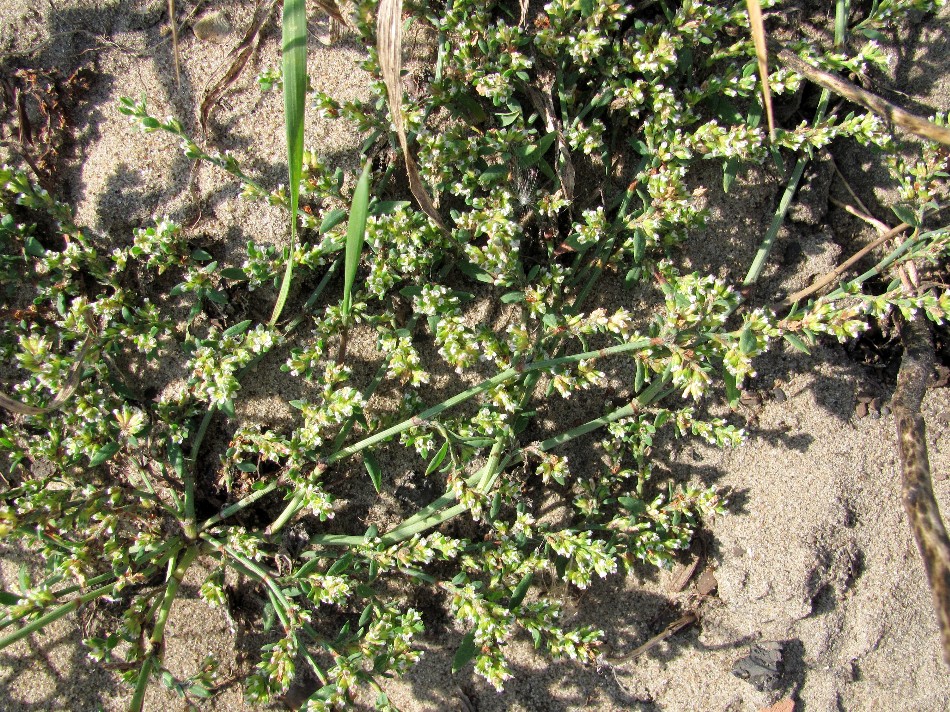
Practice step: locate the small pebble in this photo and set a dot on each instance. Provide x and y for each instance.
(885, 410)
(212, 28)
(779, 395)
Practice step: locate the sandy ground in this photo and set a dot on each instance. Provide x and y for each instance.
(815, 552)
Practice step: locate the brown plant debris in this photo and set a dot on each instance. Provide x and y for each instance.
(889, 112)
(239, 56)
(917, 489)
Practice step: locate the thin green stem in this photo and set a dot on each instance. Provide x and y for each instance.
(547, 364)
(141, 684)
(176, 572)
(758, 264)
(56, 614)
(440, 510)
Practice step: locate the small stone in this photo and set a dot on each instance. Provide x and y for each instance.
(779, 395)
(213, 27)
(706, 583)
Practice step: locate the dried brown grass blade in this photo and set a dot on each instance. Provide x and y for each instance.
(762, 54)
(332, 8)
(239, 56)
(171, 18)
(883, 108)
(544, 105)
(389, 48)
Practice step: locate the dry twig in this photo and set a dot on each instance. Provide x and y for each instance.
(837, 271)
(889, 112)
(916, 487)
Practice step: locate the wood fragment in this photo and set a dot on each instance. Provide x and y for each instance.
(686, 619)
(889, 112)
(917, 494)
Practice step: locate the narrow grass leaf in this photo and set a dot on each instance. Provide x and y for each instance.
(175, 51)
(295, 99)
(355, 234)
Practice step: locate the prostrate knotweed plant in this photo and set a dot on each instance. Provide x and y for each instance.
(557, 148)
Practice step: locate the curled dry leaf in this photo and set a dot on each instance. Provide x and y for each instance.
(389, 47)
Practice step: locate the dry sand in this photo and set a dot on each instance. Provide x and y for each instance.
(815, 551)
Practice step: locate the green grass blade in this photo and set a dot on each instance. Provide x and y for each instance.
(295, 98)
(355, 233)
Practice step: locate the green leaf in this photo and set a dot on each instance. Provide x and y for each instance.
(495, 506)
(355, 234)
(732, 390)
(747, 341)
(364, 617)
(332, 219)
(634, 506)
(466, 652)
(906, 215)
(797, 343)
(508, 118)
(7, 598)
(33, 247)
(235, 273)
(237, 329)
(199, 255)
(729, 171)
(373, 470)
(438, 458)
(639, 245)
(471, 109)
(247, 467)
(531, 154)
(227, 408)
(512, 297)
(104, 453)
(494, 174)
(386, 207)
(521, 590)
(340, 565)
(198, 690)
(294, 52)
